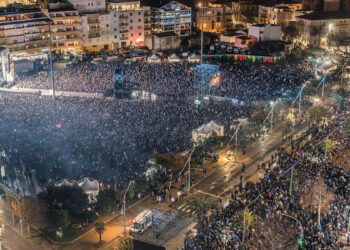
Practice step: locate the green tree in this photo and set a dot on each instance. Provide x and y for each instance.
(70, 198)
(126, 244)
(258, 116)
(60, 218)
(332, 145)
(290, 32)
(107, 200)
(317, 113)
(246, 219)
(100, 228)
(199, 205)
(340, 95)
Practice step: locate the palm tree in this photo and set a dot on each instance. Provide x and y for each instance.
(100, 228)
(126, 244)
(332, 145)
(339, 95)
(198, 205)
(246, 220)
(317, 113)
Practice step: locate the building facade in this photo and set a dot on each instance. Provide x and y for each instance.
(281, 14)
(24, 32)
(172, 17)
(214, 18)
(324, 29)
(65, 27)
(265, 32)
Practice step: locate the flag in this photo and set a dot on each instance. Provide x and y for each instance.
(58, 125)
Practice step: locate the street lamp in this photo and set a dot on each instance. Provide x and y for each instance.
(235, 134)
(201, 6)
(124, 211)
(51, 65)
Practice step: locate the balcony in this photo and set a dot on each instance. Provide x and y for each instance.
(123, 24)
(94, 36)
(93, 21)
(124, 38)
(123, 31)
(123, 17)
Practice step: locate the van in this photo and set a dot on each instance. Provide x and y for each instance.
(229, 49)
(142, 222)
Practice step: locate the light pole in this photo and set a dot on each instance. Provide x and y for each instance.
(300, 97)
(202, 12)
(270, 114)
(235, 134)
(291, 180)
(322, 82)
(301, 226)
(51, 66)
(124, 210)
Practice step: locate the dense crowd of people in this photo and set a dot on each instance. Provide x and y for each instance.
(269, 200)
(106, 139)
(244, 81)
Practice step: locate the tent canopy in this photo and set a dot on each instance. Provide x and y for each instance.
(174, 58)
(153, 58)
(193, 57)
(89, 185)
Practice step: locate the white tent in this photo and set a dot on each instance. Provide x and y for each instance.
(65, 183)
(154, 59)
(207, 130)
(90, 187)
(174, 58)
(193, 58)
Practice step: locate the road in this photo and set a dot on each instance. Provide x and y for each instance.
(11, 236)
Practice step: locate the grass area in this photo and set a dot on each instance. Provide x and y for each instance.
(97, 244)
(69, 233)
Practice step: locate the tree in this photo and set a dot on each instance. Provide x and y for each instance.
(246, 220)
(198, 205)
(316, 197)
(100, 228)
(70, 198)
(59, 217)
(273, 233)
(170, 160)
(290, 32)
(340, 95)
(26, 208)
(107, 200)
(337, 38)
(258, 116)
(332, 145)
(126, 244)
(317, 113)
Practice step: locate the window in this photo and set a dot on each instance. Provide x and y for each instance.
(140, 34)
(139, 13)
(139, 20)
(131, 27)
(130, 13)
(115, 36)
(115, 15)
(107, 25)
(115, 29)
(130, 20)
(131, 34)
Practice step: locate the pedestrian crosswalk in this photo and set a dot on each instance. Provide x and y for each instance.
(210, 198)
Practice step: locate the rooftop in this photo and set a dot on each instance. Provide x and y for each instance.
(243, 37)
(321, 15)
(264, 24)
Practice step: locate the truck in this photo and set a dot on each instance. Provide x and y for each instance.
(142, 222)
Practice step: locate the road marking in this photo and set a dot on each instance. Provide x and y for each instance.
(216, 196)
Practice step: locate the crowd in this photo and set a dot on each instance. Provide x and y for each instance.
(244, 81)
(109, 140)
(270, 199)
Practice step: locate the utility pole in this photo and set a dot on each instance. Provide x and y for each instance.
(291, 181)
(51, 65)
(124, 209)
(202, 7)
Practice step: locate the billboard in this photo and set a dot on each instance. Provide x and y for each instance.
(215, 80)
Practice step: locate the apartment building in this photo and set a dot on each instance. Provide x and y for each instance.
(324, 29)
(172, 17)
(280, 14)
(65, 27)
(214, 18)
(130, 23)
(24, 32)
(5, 3)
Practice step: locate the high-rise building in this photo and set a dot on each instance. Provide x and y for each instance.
(65, 27)
(24, 32)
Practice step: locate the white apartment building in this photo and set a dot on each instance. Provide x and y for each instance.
(280, 14)
(265, 32)
(84, 6)
(172, 17)
(318, 28)
(129, 22)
